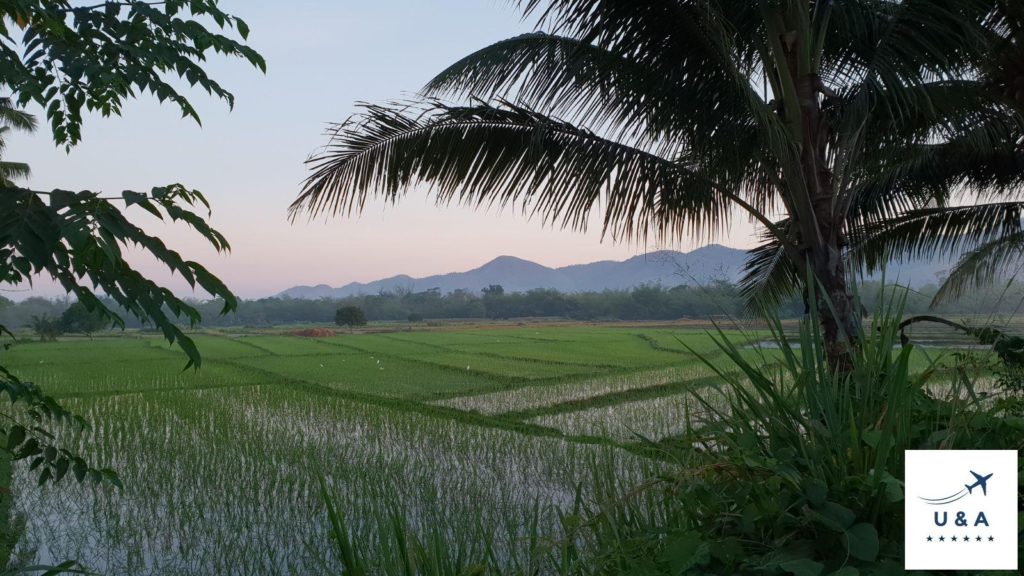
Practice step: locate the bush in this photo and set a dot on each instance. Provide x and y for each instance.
(46, 327)
(350, 316)
(796, 468)
(78, 318)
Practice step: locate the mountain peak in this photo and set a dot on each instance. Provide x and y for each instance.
(519, 275)
(700, 266)
(510, 261)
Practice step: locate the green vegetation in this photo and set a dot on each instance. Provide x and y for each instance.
(350, 316)
(720, 300)
(478, 440)
(79, 319)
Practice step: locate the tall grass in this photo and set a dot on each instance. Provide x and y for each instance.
(796, 466)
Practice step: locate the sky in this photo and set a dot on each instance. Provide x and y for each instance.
(322, 58)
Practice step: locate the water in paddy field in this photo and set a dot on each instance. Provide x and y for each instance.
(232, 488)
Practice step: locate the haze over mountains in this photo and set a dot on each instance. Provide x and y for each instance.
(668, 268)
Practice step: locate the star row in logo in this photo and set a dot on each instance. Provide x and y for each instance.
(977, 538)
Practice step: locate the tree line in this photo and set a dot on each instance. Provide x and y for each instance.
(649, 302)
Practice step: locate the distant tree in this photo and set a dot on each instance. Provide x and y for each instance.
(350, 316)
(79, 319)
(494, 290)
(47, 327)
(5, 302)
(414, 317)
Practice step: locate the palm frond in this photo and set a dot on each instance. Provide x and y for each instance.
(18, 119)
(888, 61)
(883, 47)
(983, 265)
(504, 155)
(936, 111)
(707, 51)
(938, 231)
(11, 171)
(576, 80)
(769, 275)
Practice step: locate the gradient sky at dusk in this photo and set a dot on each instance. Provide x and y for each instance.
(322, 57)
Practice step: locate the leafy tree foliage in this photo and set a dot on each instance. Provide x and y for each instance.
(69, 55)
(79, 239)
(856, 121)
(494, 290)
(350, 316)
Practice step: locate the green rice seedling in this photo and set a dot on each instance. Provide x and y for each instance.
(624, 352)
(388, 345)
(232, 486)
(565, 390)
(652, 419)
(384, 376)
(130, 370)
(219, 347)
(293, 345)
(24, 354)
(530, 370)
(430, 468)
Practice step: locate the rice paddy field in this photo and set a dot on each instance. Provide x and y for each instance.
(469, 435)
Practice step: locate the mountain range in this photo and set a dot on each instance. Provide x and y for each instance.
(666, 267)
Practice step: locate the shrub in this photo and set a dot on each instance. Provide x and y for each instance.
(795, 468)
(350, 316)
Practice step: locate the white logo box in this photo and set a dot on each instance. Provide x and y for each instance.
(961, 510)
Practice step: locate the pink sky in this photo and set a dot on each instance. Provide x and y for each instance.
(322, 57)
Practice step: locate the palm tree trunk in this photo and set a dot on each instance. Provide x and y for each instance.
(837, 311)
(823, 236)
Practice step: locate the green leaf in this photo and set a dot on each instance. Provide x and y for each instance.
(15, 437)
(833, 516)
(684, 551)
(815, 491)
(861, 542)
(727, 551)
(803, 567)
(892, 488)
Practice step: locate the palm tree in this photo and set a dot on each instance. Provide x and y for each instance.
(824, 121)
(12, 118)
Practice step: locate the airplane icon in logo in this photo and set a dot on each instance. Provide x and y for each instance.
(979, 481)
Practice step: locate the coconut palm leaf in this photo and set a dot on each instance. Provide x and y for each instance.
(11, 116)
(946, 230)
(549, 167)
(11, 171)
(997, 258)
(576, 80)
(769, 276)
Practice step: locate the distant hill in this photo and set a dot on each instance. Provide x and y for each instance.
(668, 268)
